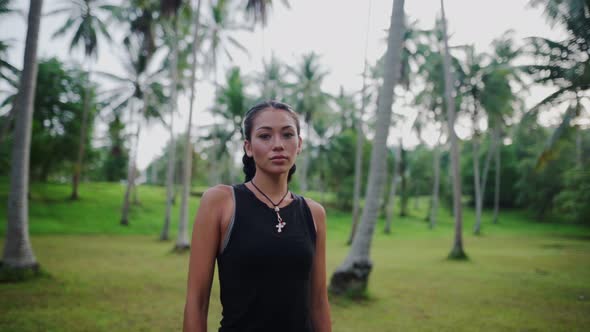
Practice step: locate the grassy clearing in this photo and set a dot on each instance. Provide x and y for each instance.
(521, 276)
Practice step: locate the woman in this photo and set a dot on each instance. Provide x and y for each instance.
(269, 243)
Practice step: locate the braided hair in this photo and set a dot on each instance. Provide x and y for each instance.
(249, 164)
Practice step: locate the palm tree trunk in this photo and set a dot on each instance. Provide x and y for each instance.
(435, 186)
(172, 145)
(457, 251)
(476, 184)
(498, 174)
(392, 189)
(486, 167)
(352, 275)
(18, 253)
(135, 187)
(579, 150)
(83, 134)
(130, 172)
(182, 242)
(403, 183)
(358, 160)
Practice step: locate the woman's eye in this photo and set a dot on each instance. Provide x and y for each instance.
(288, 135)
(264, 136)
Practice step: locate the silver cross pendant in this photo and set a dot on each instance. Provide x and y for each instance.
(280, 223)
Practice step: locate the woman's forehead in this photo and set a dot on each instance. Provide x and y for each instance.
(273, 118)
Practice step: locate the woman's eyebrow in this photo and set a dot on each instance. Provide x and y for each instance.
(270, 128)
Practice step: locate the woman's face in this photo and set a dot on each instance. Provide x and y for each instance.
(274, 142)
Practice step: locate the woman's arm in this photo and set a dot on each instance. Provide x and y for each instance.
(204, 246)
(320, 307)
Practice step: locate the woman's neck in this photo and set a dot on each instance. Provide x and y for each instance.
(273, 186)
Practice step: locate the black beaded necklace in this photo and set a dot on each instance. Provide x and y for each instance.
(280, 222)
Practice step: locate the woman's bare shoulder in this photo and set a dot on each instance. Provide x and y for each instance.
(217, 196)
(318, 213)
(219, 193)
(316, 208)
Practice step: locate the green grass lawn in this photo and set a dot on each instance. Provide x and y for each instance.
(521, 276)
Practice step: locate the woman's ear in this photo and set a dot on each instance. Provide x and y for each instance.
(248, 148)
(300, 145)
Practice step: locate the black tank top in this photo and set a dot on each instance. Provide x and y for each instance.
(264, 275)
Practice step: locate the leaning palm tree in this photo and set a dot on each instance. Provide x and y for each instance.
(88, 25)
(352, 275)
(457, 251)
(18, 253)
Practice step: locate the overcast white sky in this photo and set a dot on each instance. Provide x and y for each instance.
(335, 29)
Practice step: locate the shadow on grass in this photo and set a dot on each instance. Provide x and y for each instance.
(14, 275)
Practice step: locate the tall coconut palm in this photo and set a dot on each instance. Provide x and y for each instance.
(352, 275)
(182, 242)
(169, 9)
(372, 77)
(136, 91)
(431, 101)
(499, 101)
(18, 253)
(457, 251)
(309, 99)
(472, 84)
(358, 153)
(86, 20)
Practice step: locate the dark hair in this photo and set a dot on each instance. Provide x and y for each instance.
(249, 164)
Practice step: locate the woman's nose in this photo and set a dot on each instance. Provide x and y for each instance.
(277, 144)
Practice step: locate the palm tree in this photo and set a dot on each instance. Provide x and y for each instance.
(499, 101)
(352, 275)
(457, 251)
(431, 100)
(309, 100)
(472, 84)
(182, 243)
(372, 76)
(562, 64)
(84, 19)
(221, 23)
(231, 103)
(169, 9)
(257, 10)
(358, 153)
(18, 253)
(137, 86)
(272, 80)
